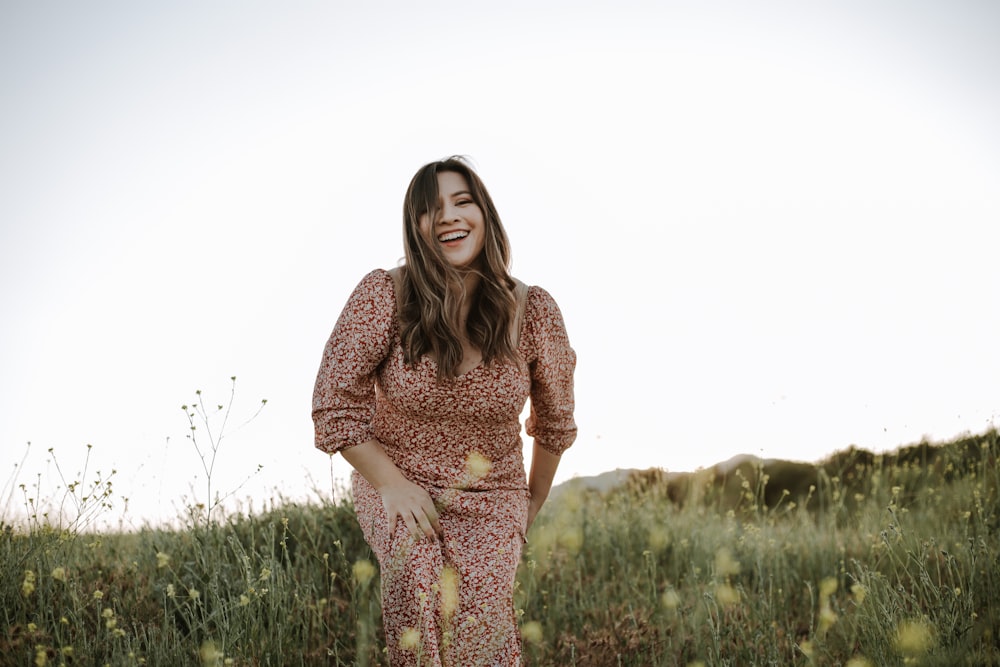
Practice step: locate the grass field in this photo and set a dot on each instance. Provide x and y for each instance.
(865, 560)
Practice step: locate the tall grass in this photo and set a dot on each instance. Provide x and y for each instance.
(881, 564)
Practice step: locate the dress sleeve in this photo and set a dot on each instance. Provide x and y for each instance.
(551, 362)
(344, 396)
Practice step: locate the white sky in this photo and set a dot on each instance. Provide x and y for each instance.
(772, 227)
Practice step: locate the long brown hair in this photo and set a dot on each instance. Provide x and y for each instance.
(432, 290)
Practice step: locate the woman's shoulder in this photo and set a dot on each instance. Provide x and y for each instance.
(540, 305)
(376, 279)
(376, 287)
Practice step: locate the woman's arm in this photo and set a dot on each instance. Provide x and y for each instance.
(400, 497)
(543, 470)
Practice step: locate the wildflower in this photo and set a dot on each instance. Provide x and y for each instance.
(477, 466)
(827, 619)
(571, 539)
(659, 539)
(532, 632)
(807, 649)
(670, 599)
(363, 571)
(410, 639)
(914, 638)
(858, 592)
(265, 574)
(827, 587)
(170, 591)
(108, 613)
(858, 661)
(98, 594)
(28, 585)
(41, 656)
(194, 593)
(209, 654)
(32, 627)
(67, 651)
(449, 591)
(162, 560)
(59, 574)
(725, 564)
(244, 600)
(726, 595)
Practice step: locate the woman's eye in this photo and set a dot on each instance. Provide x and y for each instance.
(464, 202)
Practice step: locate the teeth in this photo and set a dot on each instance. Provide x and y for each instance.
(452, 236)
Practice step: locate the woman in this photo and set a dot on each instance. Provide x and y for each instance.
(421, 388)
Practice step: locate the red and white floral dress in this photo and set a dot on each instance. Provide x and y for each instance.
(447, 600)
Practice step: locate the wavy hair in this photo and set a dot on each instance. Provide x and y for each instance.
(432, 290)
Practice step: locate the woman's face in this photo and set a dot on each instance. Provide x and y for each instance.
(459, 227)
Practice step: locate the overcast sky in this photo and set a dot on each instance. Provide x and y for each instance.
(772, 227)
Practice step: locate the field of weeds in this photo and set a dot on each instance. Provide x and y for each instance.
(864, 560)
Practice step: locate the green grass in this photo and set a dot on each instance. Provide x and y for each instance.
(890, 561)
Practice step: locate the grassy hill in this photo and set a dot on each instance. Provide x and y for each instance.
(860, 559)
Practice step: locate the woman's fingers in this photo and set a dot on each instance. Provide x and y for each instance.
(414, 507)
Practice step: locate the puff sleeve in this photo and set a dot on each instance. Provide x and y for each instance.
(344, 395)
(551, 362)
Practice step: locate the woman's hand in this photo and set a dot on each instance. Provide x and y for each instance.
(543, 470)
(402, 499)
(534, 505)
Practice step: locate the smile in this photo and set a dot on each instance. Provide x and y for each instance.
(452, 236)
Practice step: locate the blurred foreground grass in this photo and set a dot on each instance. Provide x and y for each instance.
(867, 560)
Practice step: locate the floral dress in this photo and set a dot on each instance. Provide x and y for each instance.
(446, 600)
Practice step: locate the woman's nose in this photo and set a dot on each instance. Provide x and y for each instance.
(448, 215)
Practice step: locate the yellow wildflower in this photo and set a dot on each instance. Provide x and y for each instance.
(449, 591)
(477, 466)
(859, 592)
(827, 618)
(59, 574)
(532, 632)
(41, 656)
(28, 585)
(858, 661)
(914, 637)
(98, 594)
(194, 593)
(162, 559)
(410, 639)
(670, 599)
(244, 600)
(209, 654)
(571, 539)
(726, 595)
(725, 564)
(363, 571)
(827, 587)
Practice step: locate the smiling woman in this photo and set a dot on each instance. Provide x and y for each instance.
(456, 223)
(421, 388)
